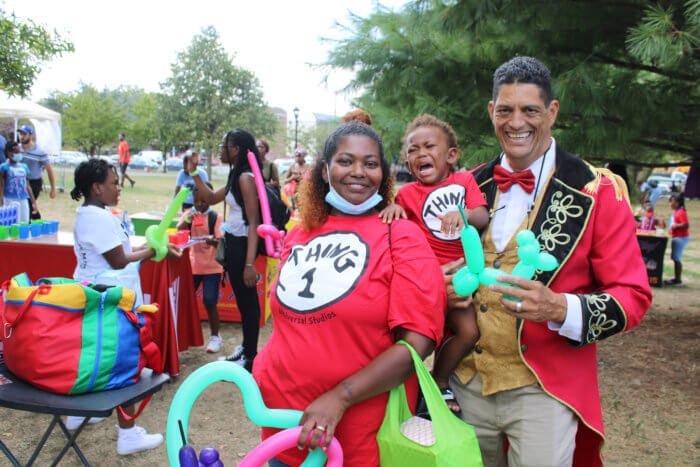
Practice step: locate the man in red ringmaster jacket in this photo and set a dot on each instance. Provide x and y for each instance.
(530, 387)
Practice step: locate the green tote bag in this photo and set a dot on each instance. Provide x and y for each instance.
(455, 442)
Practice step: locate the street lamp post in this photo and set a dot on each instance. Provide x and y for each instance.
(296, 127)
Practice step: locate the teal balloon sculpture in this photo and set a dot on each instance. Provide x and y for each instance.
(157, 235)
(467, 279)
(252, 401)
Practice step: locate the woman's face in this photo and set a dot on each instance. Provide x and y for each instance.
(674, 203)
(355, 168)
(261, 149)
(229, 152)
(108, 191)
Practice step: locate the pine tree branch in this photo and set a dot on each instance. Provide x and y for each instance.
(638, 66)
(636, 163)
(689, 151)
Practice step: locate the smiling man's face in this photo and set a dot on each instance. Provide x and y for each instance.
(523, 123)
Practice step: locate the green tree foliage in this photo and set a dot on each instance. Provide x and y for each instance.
(90, 121)
(625, 73)
(24, 45)
(207, 95)
(140, 111)
(134, 110)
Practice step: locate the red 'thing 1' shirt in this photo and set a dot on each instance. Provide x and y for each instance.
(680, 216)
(423, 204)
(339, 294)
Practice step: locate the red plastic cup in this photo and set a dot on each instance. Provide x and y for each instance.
(183, 237)
(172, 238)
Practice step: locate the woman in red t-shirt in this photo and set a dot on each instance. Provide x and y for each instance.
(680, 236)
(349, 287)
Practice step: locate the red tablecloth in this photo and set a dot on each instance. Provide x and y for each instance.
(175, 326)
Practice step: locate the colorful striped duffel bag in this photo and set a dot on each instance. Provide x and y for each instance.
(72, 337)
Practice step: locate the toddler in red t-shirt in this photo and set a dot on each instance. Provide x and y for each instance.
(650, 221)
(433, 203)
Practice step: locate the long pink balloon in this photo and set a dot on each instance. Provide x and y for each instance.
(282, 441)
(273, 237)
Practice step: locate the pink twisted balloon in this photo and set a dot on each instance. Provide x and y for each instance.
(272, 236)
(282, 441)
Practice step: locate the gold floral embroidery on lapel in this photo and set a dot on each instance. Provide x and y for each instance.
(598, 323)
(561, 208)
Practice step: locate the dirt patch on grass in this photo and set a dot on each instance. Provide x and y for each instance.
(649, 385)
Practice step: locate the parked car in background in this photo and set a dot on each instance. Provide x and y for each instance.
(174, 163)
(679, 178)
(138, 162)
(282, 166)
(661, 180)
(69, 158)
(152, 156)
(664, 183)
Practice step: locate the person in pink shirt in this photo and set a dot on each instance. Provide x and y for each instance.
(202, 221)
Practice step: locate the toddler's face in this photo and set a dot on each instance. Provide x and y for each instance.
(429, 155)
(200, 203)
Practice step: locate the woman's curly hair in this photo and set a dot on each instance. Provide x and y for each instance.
(313, 209)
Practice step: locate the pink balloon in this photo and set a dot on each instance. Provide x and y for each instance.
(282, 441)
(272, 236)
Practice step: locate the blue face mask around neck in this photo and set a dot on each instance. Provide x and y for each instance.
(17, 157)
(345, 206)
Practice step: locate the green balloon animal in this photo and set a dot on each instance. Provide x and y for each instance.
(157, 235)
(467, 279)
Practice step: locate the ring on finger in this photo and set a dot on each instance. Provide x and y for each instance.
(519, 307)
(320, 428)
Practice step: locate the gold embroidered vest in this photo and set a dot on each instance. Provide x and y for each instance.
(497, 356)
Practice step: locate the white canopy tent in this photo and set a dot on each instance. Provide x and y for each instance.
(46, 122)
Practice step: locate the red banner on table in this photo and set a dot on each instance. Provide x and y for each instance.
(266, 269)
(175, 327)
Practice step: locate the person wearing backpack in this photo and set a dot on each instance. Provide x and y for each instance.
(241, 239)
(202, 221)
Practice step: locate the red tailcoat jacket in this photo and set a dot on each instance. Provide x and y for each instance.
(585, 222)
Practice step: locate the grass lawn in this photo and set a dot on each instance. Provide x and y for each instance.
(152, 192)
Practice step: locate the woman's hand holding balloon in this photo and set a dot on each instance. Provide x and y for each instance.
(322, 417)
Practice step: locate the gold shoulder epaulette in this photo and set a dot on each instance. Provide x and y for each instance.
(618, 183)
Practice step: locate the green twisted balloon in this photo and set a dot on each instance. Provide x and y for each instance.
(259, 414)
(467, 279)
(157, 235)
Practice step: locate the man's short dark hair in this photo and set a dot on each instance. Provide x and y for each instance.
(524, 70)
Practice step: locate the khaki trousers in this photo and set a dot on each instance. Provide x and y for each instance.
(540, 430)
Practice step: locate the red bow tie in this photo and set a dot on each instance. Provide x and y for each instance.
(505, 179)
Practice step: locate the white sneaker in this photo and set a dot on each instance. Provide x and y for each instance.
(236, 355)
(72, 423)
(136, 440)
(214, 344)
